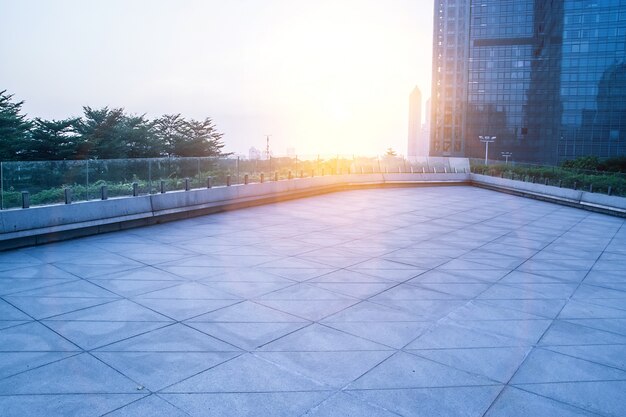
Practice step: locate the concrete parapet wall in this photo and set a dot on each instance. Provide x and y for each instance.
(582, 199)
(19, 222)
(592, 199)
(25, 227)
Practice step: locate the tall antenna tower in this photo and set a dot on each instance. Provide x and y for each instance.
(267, 146)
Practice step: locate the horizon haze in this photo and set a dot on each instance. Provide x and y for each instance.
(324, 77)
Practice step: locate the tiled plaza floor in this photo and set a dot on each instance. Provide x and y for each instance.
(450, 301)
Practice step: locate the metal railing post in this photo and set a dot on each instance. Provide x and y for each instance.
(87, 177)
(1, 185)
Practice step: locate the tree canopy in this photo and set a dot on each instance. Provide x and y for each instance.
(390, 153)
(14, 127)
(103, 133)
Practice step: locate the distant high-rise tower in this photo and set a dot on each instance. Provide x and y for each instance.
(547, 78)
(415, 122)
(449, 88)
(424, 148)
(254, 153)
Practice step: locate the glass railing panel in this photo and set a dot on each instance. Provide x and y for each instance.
(46, 180)
(118, 175)
(604, 182)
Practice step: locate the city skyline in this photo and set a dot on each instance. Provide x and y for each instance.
(310, 75)
(415, 124)
(547, 79)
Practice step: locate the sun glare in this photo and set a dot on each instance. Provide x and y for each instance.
(321, 77)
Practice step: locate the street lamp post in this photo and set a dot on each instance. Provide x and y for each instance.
(487, 140)
(506, 155)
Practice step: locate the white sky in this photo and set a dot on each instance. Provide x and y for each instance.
(321, 76)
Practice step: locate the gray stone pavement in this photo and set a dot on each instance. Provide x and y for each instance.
(450, 301)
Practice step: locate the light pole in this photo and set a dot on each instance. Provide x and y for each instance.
(506, 155)
(487, 140)
(268, 154)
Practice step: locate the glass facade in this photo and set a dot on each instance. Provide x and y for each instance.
(450, 60)
(547, 78)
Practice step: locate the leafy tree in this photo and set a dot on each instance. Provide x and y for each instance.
(200, 139)
(110, 133)
(583, 162)
(390, 153)
(100, 134)
(617, 164)
(51, 140)
(169, 130)
(141, 141)
(14, 128)
(105, 133)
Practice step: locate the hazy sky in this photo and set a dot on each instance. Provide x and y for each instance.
(322, 76)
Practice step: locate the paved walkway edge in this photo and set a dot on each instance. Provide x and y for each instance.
(45, 224)
(600, 203)
(40, 225)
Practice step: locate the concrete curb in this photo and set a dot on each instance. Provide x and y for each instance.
(601, 203)
(39, 225)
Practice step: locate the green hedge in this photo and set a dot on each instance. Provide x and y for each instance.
(600, 181)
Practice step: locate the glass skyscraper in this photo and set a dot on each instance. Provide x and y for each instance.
(546, 77)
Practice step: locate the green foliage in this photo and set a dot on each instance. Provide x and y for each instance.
(102, 134)
(199, 138)
(14, 128)
(50, 140)
(170, 130)
(566, 177)
(390, 152)
(616, 164)
(583, 162)
(110, 133)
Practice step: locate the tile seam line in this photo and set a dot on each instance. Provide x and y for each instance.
(140, 399)
(595, 328)
(491, 283)
(372, 405)
(453, 258)
(71, 355)
(560, 402)
(560, 310)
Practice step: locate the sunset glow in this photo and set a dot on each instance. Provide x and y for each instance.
(321, 77)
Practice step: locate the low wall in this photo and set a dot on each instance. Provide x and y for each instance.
(576, 198)
(38, 225)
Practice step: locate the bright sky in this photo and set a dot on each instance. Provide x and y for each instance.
(323, 76)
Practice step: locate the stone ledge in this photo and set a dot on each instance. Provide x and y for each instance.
(38, 225)
(600, 203)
